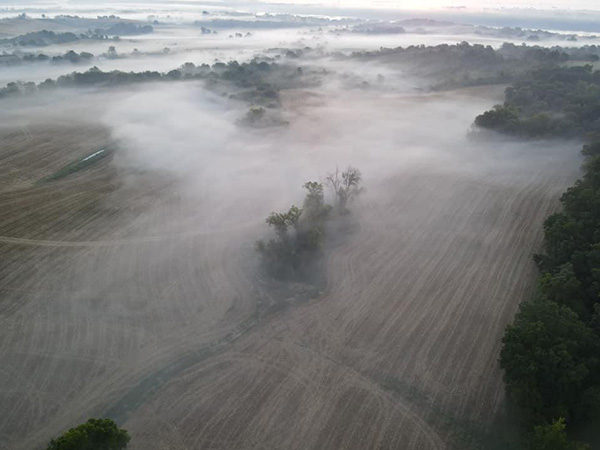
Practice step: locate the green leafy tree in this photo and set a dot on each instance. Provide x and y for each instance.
(281, 222)
(552, 101)
(311, 225)
(504, 119)
(595, 322)
(562, 237)
(591, 150)
(299, 234)
(281, 253)
(549, 359)
(314, 208)
(553, 437)
(564, 287)
(95, 434)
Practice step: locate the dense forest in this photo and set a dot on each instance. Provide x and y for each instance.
(464, 64)
(557, 101)
(551, 353)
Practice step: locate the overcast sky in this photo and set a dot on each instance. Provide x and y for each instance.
(559, 15)
(342, 4)
(421, 4)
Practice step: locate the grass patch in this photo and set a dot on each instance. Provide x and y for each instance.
(80, 164)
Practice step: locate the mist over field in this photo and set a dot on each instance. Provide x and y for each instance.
(138, 278)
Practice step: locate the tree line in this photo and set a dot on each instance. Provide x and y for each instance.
(16, 58)
(45, 37)
(257, 82)
(549, 102)
(462, 65)
(551, 353)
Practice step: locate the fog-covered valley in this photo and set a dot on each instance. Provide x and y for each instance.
(134, 188)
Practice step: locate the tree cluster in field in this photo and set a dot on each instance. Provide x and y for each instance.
(551, 353)
(95, 434)
(255, 82)
(550, 102)
(300, 232)
(258, 82)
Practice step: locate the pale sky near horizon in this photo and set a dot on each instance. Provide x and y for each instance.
(433, 4)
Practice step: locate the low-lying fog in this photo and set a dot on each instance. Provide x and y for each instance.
(141, 306)
(176, 40)
(184, 132)
(105, 317)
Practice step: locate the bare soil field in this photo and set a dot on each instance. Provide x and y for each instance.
(112, 304)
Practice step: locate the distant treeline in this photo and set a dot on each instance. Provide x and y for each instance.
(255, 82)
(464, 64)
(271, 21)
(16, 58)
(526, 34)
(125, 29)
(584, 53)
(426, 26)
(45, 37)
(550, 102)
(19, 57)
(373, 28)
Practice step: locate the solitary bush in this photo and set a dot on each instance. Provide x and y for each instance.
(553, 437)
(95, 434)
